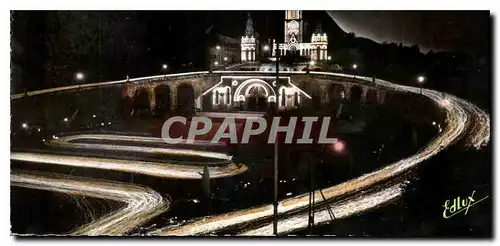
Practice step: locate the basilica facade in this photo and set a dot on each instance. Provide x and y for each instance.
(316, 49)
(294, 35)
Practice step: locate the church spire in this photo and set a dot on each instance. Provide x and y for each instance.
(249, 27)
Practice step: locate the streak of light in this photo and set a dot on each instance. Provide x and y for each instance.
(155, 169)
(143, 203)
(463, 119)
(66, 142)
(458, 113)
(341, 209)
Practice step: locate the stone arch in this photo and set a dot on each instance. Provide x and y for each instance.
(185, 98)
(141, 102)
(244, 88)
(371, 96)
(336, 92)
(356, 93)
(163, 99)
(257, 97)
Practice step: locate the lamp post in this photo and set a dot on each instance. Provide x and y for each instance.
(354, 67)
(164, 68)
(79, 76)
(421, 80)
(266, 50)
(219, 54)
(275, 171)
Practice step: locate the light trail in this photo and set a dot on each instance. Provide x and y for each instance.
(457, 113)
(67, 142)
(341, 209)
(142, 204)
(463, 120)
(155, 169)
(124, 220)
(223, 167)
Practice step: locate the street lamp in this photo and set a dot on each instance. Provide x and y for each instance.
(218, 53)
(266, 47)
(79, 76)
(329, 58)
(225, 58)
(354, 67)
(164, 68)
(420, 80)
(216, 63)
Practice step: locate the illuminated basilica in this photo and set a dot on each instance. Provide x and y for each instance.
(294, 34)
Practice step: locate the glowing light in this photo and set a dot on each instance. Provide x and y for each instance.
(24, 125)
(329, 57)
(65, 119)
(271, 99)
(420, 79)
(216, 63)
(164, 66)
(338, 146)
(225, 58)
(312, 63)
(354, 66)
(79, 76)
(266, 47)
(93, 116)
(217, 47)
(38, 129)
(433, 123)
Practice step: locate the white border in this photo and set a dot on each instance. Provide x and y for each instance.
(211, 5)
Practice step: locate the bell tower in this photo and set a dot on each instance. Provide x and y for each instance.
(293, 26)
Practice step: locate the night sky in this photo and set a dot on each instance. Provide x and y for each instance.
(437, 30)
(49, 47)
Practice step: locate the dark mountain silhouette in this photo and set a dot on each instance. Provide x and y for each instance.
(463, 74)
